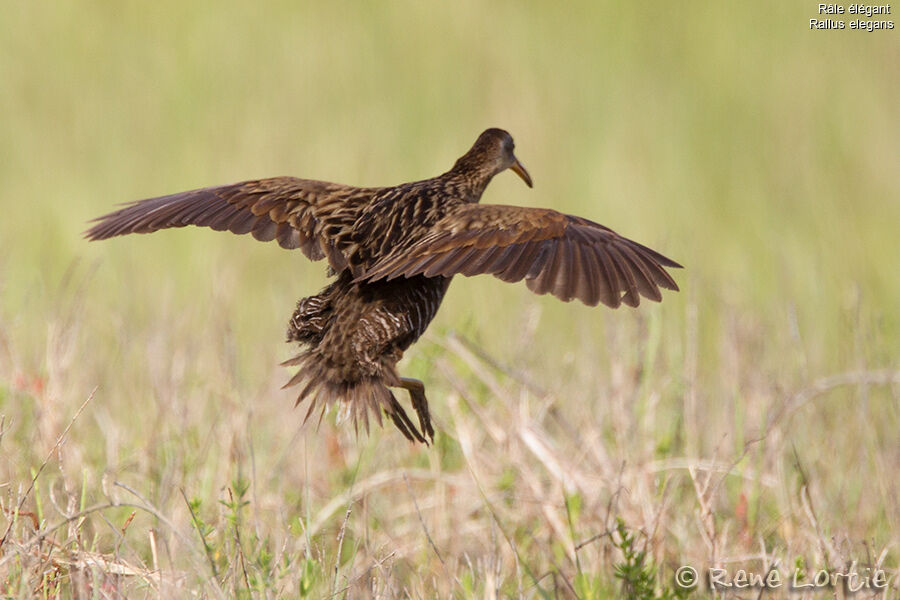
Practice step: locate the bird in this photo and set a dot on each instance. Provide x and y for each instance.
(392, 252)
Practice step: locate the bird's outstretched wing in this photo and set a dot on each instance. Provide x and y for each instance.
(298, 213)
(567, 256)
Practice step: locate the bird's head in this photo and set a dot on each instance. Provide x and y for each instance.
(491, 154)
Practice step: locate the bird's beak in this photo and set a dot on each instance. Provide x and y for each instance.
(519, 170)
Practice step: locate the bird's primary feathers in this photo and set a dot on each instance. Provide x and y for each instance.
(394, 251)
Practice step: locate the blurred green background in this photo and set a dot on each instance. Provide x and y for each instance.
(758, 153)
(761, 155)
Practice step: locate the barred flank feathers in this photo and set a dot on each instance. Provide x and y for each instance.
(359, 399)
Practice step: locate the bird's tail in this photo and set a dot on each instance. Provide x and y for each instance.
(322, 387)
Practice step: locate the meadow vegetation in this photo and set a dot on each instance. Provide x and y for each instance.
(750, 421)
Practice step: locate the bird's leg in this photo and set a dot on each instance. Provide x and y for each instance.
(417, 393)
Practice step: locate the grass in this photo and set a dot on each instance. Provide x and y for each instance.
(750, 421)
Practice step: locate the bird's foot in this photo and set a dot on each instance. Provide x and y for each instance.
(417, 394)
(401, 420)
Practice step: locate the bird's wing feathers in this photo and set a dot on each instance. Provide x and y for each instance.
(298, 213)
(567, 256)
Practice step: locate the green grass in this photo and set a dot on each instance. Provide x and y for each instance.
(751, 417)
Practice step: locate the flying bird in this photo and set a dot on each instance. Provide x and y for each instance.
(393, 251)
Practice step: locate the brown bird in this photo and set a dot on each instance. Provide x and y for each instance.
(394, 251)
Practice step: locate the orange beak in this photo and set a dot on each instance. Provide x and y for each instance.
(519, 170)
